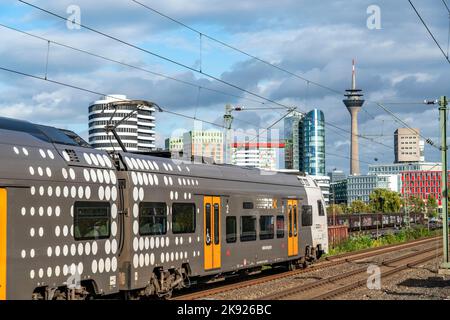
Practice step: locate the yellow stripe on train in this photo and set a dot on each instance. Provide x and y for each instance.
(3, 237)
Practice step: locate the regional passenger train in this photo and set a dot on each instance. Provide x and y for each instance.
(77, 223)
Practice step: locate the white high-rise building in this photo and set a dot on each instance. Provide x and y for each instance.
(137, 132)
(262, 155)
(408, 145)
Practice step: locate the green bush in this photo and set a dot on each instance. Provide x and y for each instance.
(360, 242)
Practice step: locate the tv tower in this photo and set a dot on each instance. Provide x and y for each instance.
(354, 102)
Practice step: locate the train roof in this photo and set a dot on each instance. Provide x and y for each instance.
(217, 171)
(75, 151)
(44, 133)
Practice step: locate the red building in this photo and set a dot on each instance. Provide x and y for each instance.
(422, 184)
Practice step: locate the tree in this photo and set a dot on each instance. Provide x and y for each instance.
(385, 201)
(358, 206)
(432, 206)
(334, 209)
(417, 203)
(431, 209)
(344, 208)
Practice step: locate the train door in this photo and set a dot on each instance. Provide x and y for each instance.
(3, 211)
(211, 232)
(292, 206)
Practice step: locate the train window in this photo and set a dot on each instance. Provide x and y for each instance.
(216, 224)
(248, 228)
(266, 227)
(320, 206)
(183, 218)
(56, 135)
(306, 216)
(280, 227)
(231, 229)
(152, 218)
(208, 223)
(91, 220)
(247, 205)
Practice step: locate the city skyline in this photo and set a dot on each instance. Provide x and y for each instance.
(385, 79)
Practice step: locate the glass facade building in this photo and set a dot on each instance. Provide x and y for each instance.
(312, 159)
(293, 143)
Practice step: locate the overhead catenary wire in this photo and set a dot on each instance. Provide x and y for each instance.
(169, 60)
(159, 74)
(336, 132)
(251, 56)
(405, 124)
(429, 31)
(237, 49)
(135, 67)
(201, 34)
(446, 5)
(199, 87)
(64, 84)
(155, 54)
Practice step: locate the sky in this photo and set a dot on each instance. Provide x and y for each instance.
(397, 64)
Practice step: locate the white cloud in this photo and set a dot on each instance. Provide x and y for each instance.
(315, 39)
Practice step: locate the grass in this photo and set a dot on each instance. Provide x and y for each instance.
(360, 242)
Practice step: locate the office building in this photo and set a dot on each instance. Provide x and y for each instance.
(422, 184)
(175, 146)
(359, 187)
(398, 168)
(203, 146)
(293, 140)
(312, 153)
(137, 132)
(336, 175)
(262, 155)
(407, 145)
(338, 192)
(305, 142)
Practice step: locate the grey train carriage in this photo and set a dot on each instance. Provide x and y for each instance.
(76, 222)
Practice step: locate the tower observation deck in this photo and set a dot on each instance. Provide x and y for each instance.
(354, 102)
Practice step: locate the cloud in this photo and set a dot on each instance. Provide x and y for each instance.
(314, 39)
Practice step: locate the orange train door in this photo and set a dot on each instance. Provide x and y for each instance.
(3, 211)
(211, 232)
(292, 207)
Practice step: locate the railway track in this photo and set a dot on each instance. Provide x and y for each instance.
(331, 287)
(325, 263)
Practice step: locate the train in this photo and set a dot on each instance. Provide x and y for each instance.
(80, 223)
(369, 221)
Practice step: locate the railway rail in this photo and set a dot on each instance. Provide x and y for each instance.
(327, 262)
(333, 286)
